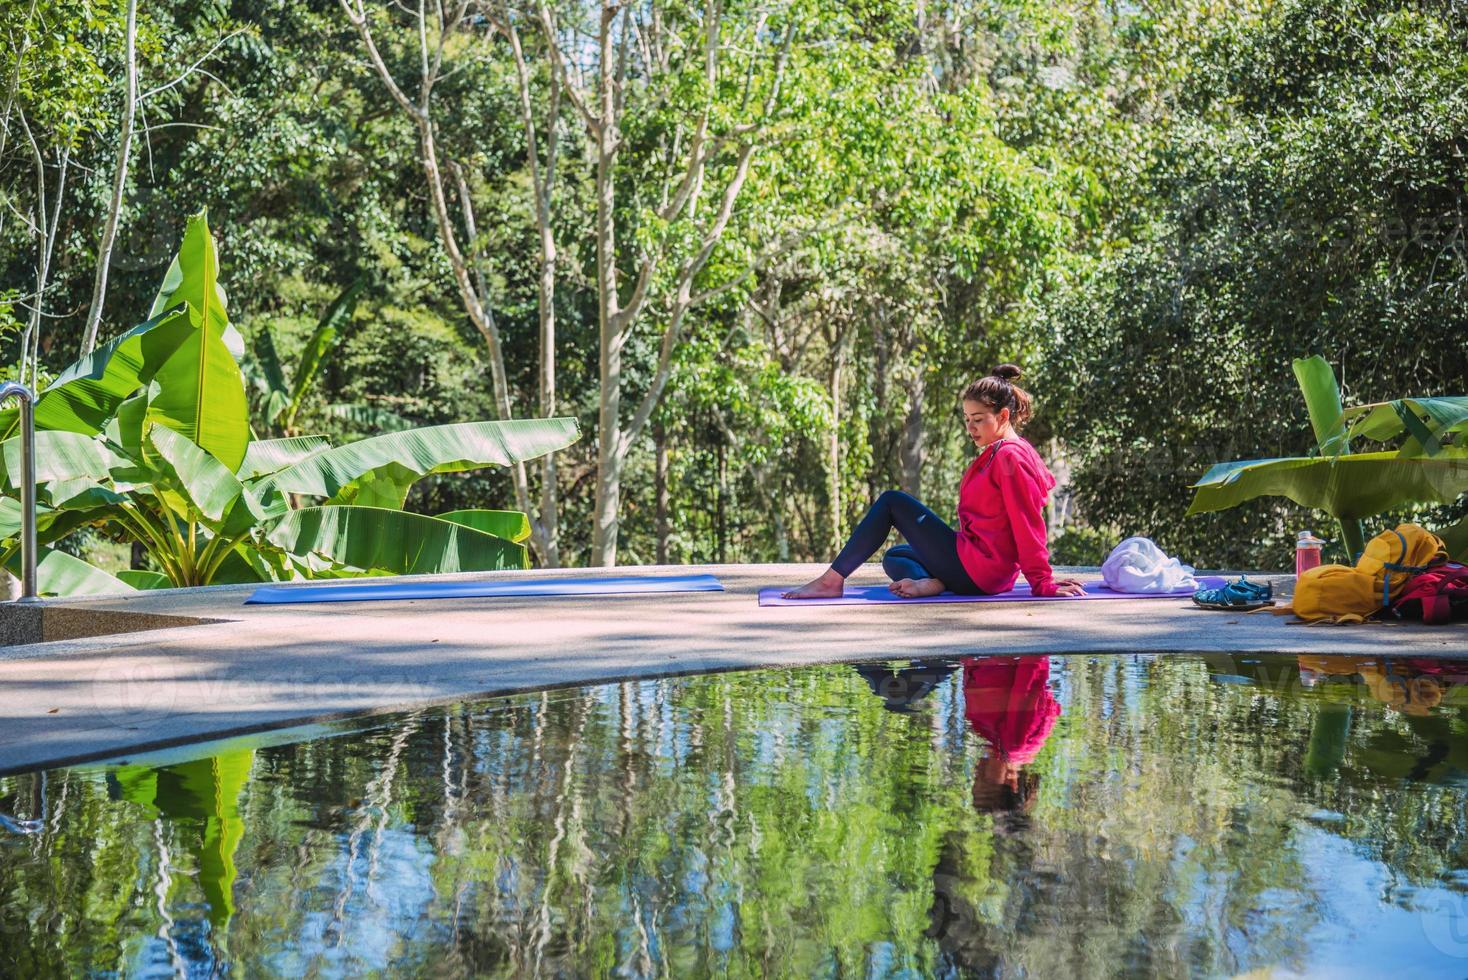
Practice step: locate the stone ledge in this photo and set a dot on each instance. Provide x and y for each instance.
(23, 623)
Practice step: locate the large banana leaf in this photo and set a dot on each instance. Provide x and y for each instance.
(86, 394)
(1426, 421)
(266, 456)
(193, 278)
(244, 565)
(58, 573)
(336, 315)
(201, 395)
(269, 381)
(126, 427)
(432, 449)
(386, 486)
(393, 541)
(512, 525)
(1323, 401)
(201, 388)
(10, 517)
(83, 494)
(52, 524)
(62, 456)
(266, 357)
(1349, 487)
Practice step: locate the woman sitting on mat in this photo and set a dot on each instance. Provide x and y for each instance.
(1001, 524)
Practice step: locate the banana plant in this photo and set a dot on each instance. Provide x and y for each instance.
(149, 436)
(1429, 467)
(282, 398)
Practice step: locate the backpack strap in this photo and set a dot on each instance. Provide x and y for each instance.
(1397, 566)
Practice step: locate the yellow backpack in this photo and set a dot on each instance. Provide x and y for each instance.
(1342, 594)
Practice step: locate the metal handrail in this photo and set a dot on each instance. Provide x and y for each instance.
(26, 482)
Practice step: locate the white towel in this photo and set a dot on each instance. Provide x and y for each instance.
(1139, 566)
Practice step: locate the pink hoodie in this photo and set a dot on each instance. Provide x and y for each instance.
(1001, 520)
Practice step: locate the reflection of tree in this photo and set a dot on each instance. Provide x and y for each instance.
(761, 823)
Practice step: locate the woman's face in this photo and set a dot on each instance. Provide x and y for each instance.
(984, 425)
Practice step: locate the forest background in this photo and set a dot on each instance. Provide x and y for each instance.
(758, 248)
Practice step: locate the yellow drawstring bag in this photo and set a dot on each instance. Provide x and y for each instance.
(1334, 594)
(1341, 594)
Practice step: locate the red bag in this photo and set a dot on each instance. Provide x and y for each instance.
(1438, 595)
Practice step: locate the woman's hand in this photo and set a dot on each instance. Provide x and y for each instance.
(1069, 587)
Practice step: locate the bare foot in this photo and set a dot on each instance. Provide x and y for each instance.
(828, 586)
(917, 588)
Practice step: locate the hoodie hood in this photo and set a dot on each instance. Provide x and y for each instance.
(1028, 461)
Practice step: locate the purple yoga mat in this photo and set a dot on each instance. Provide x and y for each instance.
(878, 595)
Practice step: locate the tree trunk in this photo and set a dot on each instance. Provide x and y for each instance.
(660, 485)
(549, 493)
(721, 495)
(119, 184)
(615, 75)
(833, 460)
(913, 449)
(476, 301)
(542, 186)
(30, 342)
(610, 453)
(782, 533)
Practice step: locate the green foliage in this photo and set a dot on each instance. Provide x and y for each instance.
(1308, 199)
(50, 63)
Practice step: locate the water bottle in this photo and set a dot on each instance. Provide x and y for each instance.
(1307, 552)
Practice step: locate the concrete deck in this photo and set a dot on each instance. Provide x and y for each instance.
(261, 667)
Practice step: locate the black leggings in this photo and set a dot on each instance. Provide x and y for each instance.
(931, 550)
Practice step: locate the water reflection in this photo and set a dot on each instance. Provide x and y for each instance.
(1008, 702)
(1427, 698)
(203, 796)
(901, 687)
(1038, 816)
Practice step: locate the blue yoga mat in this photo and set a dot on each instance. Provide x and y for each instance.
(409, 589)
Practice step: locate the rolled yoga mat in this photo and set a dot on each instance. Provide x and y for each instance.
(878, 595)
(410, 589)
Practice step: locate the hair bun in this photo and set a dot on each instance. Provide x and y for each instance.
(1009, 372)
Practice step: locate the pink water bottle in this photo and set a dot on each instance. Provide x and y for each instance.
(1307, 552)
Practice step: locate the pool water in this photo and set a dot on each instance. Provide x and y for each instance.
(1006, 816)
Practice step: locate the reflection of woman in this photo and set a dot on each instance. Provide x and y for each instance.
(1001, 523)
(975, 902)
(1007, 701)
